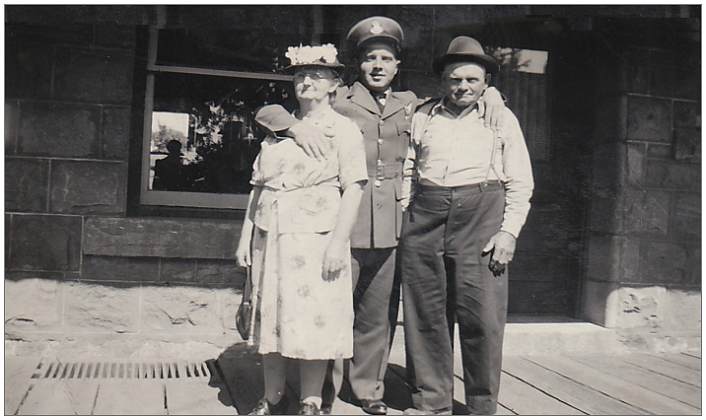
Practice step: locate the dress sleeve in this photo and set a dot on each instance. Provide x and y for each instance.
(351, 156)
(257, 178)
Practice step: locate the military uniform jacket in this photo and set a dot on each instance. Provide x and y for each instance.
(386, 137)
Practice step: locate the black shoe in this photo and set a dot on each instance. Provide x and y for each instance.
(374, 407)
(265, 408)
(325, 410)
(308, 409)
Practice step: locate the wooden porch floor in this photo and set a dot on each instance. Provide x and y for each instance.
(577, 384)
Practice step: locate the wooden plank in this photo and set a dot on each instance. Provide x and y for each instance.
(525, 399)
(681, 359)
(693, 353)
(187, 397)
(566, 390)
(130, 398)
(663, 367)
(18, 374)
(663, 385)
(55, 397)
(617, 388)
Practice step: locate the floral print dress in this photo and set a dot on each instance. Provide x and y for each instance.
(301, 315)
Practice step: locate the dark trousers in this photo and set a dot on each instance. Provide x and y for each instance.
(445, 279)
(375, 303)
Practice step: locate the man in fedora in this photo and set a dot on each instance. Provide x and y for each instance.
(384, 117)
(468, 205)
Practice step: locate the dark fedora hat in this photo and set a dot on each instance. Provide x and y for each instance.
(462, 49)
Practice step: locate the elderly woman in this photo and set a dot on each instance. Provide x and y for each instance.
(296, 234)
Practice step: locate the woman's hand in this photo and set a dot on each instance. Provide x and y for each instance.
(242, 254)
(334, 259)
(494, 108)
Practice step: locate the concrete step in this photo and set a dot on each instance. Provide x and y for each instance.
(556, 334)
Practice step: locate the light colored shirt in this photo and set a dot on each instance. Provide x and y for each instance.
(451, 150)
(303, 194)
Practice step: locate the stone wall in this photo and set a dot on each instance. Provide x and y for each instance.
(76, 265)
(644, 251)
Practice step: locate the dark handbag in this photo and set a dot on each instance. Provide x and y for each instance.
(243, 317)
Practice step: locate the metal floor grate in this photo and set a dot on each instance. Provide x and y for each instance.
(124, 370)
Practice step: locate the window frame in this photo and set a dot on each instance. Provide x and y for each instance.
(148, 197)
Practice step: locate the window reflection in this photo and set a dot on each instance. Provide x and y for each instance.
(204, 138)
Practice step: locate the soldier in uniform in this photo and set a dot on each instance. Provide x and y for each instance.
(384, 118)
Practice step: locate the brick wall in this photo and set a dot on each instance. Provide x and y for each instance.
(644, 251)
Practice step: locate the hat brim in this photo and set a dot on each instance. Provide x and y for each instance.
(490, 64)
(382, 38)
(337, 67)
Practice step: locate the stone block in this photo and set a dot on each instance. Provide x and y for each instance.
(687, 114)
(26, 183)
(28, 66)
(664, 263)
(113, 35)
(120, 268)
(115, 133)
(673, 175)
(110, 307)
(686, 222)
(687, 144)
(177, 271)
(8, 232)
(152, 237)
(47, 30)
(610, 118)
(660, 151)
(60, 130)
(658, 309)
(687, 84)
(635, 169)
(12, 114)
(45, 242)
(608, 166)
(647, 212)
(180, 309)
(635, 71)
(665, 80)
(88, 187)
(649, 119)
(606, 212)
(613, 258)
(33, 305)
(94, 76)
(217, 272)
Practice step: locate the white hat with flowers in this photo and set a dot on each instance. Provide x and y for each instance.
(313, 55)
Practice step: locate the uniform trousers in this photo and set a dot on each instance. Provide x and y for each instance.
(375, 304)
(445, 279)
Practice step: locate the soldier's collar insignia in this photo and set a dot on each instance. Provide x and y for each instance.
(376, 29)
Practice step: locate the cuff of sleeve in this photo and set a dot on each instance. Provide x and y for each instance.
(511, 228)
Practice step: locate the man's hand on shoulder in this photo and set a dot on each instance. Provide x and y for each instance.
(311, 139)
(494, 107)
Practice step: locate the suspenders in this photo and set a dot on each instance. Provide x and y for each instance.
(491, 165)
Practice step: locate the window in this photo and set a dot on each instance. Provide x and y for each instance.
(199, 137)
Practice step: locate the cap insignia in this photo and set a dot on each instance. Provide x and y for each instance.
(376, 29)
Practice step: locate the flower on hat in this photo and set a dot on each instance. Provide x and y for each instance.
(319, 54)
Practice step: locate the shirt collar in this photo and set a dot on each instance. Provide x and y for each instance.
(441, 106)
